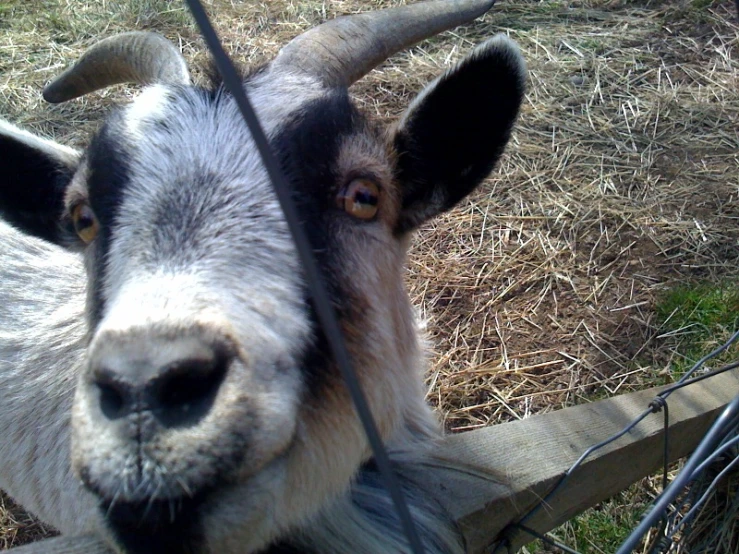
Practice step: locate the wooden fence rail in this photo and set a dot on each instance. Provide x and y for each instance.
(508, 468)
(533, 454)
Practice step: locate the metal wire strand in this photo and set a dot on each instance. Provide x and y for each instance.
(697, 505)
(579, 462)
(710, 541)
(683, 382)
(658, 404)
(714, 456)
(707, 445)
(708, 356)
(699, 483)
(314, 278)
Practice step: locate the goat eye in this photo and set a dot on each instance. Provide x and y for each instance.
(360, 199)
(85, 222)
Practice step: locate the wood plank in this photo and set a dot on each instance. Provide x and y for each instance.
(515, 464)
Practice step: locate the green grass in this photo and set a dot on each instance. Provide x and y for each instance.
(700, 317)
(604, 529)
(600, 530)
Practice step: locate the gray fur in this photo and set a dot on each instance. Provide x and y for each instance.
(42, 343)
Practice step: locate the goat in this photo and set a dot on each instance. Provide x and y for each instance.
(163, 380)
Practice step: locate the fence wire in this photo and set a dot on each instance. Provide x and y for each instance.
(675, 513)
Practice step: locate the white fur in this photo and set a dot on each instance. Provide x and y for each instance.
(42, 298)
(243, 279)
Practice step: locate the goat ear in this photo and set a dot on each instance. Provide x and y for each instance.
(34, 173)
(455, 131)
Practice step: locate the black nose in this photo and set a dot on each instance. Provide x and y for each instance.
(174, 378)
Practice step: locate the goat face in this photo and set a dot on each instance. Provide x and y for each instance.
(205, 349)
(209, 411)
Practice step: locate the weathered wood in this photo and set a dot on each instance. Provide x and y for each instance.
(500, 472)
(525, 459)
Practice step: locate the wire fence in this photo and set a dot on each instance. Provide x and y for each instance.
(691, 515)
(675, 515)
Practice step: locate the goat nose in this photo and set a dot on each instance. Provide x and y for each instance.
(176, 379)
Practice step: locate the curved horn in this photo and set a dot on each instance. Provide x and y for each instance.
(139, 57)
(341, 51)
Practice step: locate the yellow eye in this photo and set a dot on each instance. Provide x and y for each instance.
(85, 222)
(360, 199)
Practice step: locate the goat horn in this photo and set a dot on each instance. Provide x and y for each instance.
(138, 57)
(343, 50)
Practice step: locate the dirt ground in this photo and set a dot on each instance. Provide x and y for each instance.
(621, 181)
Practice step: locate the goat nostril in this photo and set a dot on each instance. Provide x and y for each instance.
(112, 400)
(187, 389)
